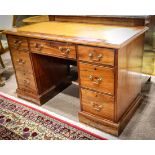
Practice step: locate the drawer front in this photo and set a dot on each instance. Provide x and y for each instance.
(96, 55)
(26, 81)
(18, 43)
(53, 48)
(21, 61)
(97, 104)
(97, 78)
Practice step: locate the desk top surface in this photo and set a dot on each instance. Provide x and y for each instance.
(81, 33)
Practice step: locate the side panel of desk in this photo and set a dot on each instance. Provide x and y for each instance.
(129, 75)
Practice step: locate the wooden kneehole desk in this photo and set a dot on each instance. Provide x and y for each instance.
(109, 62)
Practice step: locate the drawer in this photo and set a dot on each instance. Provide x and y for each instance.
(26, 81)
(97, 78)
(53, 48)
(97, 104)
(96, 55)
(18, 43)
(21, 61)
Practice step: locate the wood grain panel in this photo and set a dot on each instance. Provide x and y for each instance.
(106, 20)
(129, 74)
(97, 104)
(96, 55)
(97, 78)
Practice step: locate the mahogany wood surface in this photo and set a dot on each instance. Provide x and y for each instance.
(129, 74)
(105, 20)
(81, 33)
(109, 61)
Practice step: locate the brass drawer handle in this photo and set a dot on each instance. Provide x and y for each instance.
(21, 62)
(98, 58)
(95, 80)
(64, 50)
(27, 82)
(17, 44)
(96, 107)
(38, 46)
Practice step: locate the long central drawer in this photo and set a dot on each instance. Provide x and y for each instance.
(98, 78)
(53, 48)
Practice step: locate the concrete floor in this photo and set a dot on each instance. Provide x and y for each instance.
(67, 104)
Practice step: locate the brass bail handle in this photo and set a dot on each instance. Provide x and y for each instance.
(64, 50)
(95, 80)
(21, 61)
(98, 58)
(96, 107)
(39, 46)
(27, 82)
(17, 43)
